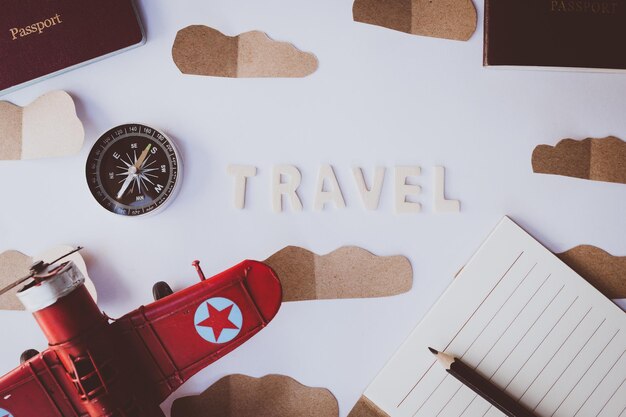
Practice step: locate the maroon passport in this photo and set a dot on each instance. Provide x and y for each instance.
(41, 38)
(587, 34)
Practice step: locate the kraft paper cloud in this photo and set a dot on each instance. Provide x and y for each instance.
(14, 265)
(447, 19)
(604, 271)
(201, 50)
(47, 127)
(366, 408)
(270, 396)
(348, 272)
(592, 159)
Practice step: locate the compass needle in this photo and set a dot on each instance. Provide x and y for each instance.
(148, 157)
(143, 157)
(127, 182)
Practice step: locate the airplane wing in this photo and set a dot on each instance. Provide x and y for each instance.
(175, 337)
(39, 388)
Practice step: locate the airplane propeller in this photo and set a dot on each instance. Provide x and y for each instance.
(35, 269)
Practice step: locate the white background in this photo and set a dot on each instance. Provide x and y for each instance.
(379, 98)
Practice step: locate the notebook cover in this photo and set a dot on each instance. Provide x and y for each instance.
(39, 38)
(556, 33)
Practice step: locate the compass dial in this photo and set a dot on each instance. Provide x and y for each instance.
(133, 170)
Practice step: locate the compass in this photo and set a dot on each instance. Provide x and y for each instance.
(133, 170)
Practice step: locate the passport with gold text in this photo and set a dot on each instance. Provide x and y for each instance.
(40, 38)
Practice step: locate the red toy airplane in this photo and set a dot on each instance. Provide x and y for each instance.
(98, 367)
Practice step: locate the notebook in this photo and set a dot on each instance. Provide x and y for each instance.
(522, 319)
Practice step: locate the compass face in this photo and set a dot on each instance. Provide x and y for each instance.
(133, 170)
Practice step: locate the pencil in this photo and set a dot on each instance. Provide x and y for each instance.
(481, 386)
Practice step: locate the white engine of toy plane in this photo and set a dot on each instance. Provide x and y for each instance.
(56, 282)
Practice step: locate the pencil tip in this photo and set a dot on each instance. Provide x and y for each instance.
(433, 351)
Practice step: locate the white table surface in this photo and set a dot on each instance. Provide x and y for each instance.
(379, 97)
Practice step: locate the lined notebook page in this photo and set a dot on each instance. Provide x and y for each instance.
(525, 321)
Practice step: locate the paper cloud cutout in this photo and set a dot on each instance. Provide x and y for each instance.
(270, 396)
(14, 265)
(348, 272)
(448, 19)
(366, 408)
(47, 127)
(591, 159)
(604, 271)
(201, 50)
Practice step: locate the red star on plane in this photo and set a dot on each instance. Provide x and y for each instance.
(218, 320)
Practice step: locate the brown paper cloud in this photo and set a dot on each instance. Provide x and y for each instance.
(47, 127)
(270, 396)
(366, 408)
(14, 265)
(591, 159)
(348, 272)
(201, 50)
(604, 271)
(448, 19)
